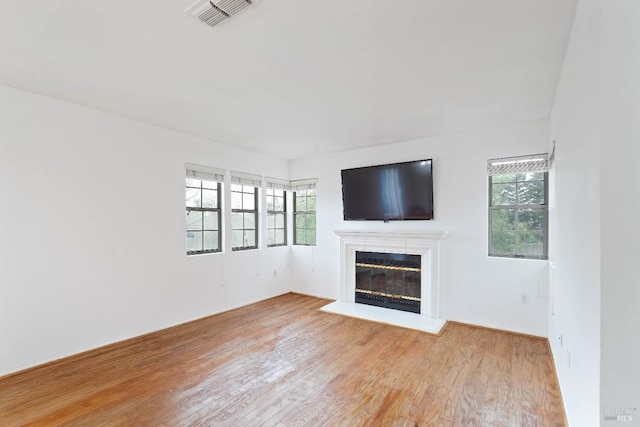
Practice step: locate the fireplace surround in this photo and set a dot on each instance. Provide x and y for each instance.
(424, 244)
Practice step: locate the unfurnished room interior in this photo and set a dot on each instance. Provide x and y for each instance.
(338, 213)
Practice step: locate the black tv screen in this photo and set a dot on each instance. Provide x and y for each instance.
(398, 191)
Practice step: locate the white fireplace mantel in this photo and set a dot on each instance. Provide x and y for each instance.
(392, 235)
(425, 244)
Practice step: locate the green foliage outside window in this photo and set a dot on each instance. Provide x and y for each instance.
(304, 217)
(276, 217)
(518, 215)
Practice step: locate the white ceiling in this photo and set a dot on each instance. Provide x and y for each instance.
(294, 78)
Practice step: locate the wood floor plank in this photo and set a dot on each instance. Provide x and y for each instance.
(283, 363)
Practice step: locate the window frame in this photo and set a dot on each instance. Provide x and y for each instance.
(275, 213)
(297, 213)
(201, 209)
(254, 211)
(544, 207)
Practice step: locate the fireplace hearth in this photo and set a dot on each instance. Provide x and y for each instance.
(388, 280)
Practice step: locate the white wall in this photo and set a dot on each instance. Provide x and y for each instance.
(620, 194)
(595, 231)
(92, 244)
(575, 222)
(476, 289)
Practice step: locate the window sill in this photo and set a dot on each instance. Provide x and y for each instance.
(248, 248)
(203, 253)
(518, 257)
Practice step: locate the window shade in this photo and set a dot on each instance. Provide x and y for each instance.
(244, 178)
(507, 165)
(304, 184)
(206, 173)
(278, 184)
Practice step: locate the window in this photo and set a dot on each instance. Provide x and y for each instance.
(244, 217)
(276, 217)
(244, 210)
(304, 217)
(203, 219)
(518, 211)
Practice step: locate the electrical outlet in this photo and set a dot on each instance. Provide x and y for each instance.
(524, 299)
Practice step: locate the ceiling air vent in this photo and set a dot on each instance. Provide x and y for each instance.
(213, 12)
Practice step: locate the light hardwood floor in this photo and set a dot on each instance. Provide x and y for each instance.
(282, 362)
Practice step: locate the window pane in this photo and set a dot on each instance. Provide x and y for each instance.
(503, 243)
(250, 220)
(210, 220)
(250, 238)
(311, 237)
(503, 178)
(194, 240)
(271, 237)
(236, 238)
(270, 203)
(271, 221)
(193, 197)
(236, 200)
(311, 203)
(211, 240)
(301, 236)
(301, 203)
(280, 237)
(278, 204)
(530, 219)
(236, 220)
(531, 243)
(530, 193)
(300, 220)
(210, 185)
(190, 182)
(311, 221)
(209, 199)
(279, 220)
(236, 187)
(248, 202)
(531, 176)
(503, 219)
(194, 220)
(503, 194)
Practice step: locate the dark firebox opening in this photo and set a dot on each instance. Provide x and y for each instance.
(388, 280)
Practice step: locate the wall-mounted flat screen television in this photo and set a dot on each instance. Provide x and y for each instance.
(398, 191)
